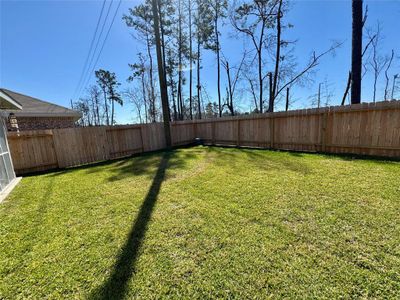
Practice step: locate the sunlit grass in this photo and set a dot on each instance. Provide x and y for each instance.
(217, 222)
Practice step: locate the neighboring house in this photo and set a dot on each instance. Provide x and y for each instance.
(39, 114)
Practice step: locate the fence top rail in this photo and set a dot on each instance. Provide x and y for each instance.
(28, 133)
(124, 127)
(383, 105)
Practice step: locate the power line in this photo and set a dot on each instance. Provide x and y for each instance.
(104, 42)
(95, 48)
(90, 50)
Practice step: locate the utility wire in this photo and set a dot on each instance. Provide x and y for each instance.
(87, 74)
(104, 42)
(90, 50)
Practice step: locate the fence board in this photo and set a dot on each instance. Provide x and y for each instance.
(124, 141)
(32, 151)
(182, 133)
(153, 137)
(366, 129)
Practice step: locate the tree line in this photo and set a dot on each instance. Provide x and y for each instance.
(266, 71)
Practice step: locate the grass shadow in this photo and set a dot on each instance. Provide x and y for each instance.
(262, 159)
(147, 164)
(124, 268)
(285, 163)
(36, 223)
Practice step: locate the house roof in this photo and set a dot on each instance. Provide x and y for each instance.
(8, 103)
(33, 107)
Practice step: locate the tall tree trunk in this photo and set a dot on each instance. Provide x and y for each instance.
(287, 99)
(93, 114)
(190, 62)
(260, 79)
(162, 81)
(176, 113)
(198, 78)
(271, 97)
(106, 107)
(346, 92)
(161, 22)
(375, 82)
(387, 76)
(230, 90)
(394, 85)
(144, 97)
(180, 101)
(153, 97)
(277, 58)
(98, 112)
(319, 95)
(112, 112)
(260, 72)
(356, 51)
(218, 60)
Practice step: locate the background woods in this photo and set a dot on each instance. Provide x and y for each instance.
(260, 76)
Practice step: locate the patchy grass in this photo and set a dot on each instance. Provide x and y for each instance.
(205, 223)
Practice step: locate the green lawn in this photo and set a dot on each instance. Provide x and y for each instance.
(205, 223)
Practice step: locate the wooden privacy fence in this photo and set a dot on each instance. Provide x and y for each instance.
(366, 129)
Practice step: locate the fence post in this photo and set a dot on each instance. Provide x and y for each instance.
(272, 130)
(195, 129)
(238, 133)
(54, 148)
(141, 137)
(323, 131)
(213, 132)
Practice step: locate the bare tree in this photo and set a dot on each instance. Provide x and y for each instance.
(252, 90)
(349, 80)
(287, 99)
(140, 19)
(83, 106)
(313, 63)
(387, 75)
(394, 84)
(204, 31)
(134, 96)
(102, 80)
(140, 72)
(274, 82)
(253, 19)
(95, 94)
(376, 61)
(347, 89)
(219, 12)
(232, 83)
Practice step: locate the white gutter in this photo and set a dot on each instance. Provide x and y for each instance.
(44, 115)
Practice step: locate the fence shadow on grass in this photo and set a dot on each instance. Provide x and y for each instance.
(124, 268)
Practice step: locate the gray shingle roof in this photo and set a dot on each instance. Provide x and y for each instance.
(34, 107)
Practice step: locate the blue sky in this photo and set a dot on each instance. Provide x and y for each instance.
(44, 44)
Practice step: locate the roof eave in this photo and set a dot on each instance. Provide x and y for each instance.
(11, 103)
(44, 115)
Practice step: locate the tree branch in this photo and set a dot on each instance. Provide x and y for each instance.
(313, 63)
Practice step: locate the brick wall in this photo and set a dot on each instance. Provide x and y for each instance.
(29, 123)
